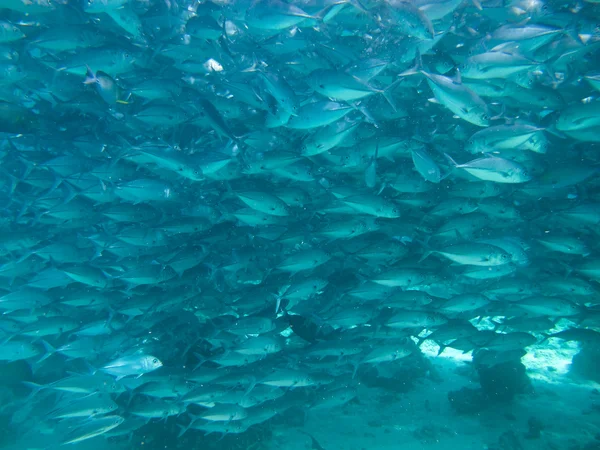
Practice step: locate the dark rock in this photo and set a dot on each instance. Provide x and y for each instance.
(430, 433)
(499, 384)
(468, 401)
(593, 445)
(535, 428)
(586, 364)
(502, 382)
(509, 441)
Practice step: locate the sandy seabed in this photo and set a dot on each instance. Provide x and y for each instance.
(423, 419)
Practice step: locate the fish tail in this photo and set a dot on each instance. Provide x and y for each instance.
(250, 386)
(416, 69)
(387, 94)
(426, 255)
(358, 5)
(49, 351)
(496, 324)
(183, 429)
(355, 370)
(35, 388)
(89, 76)
(451, 160)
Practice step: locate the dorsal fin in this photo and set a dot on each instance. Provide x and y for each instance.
(457, 78)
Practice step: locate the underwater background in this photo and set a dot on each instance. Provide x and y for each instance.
(319, 224)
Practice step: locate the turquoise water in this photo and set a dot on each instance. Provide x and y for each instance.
(313, 224)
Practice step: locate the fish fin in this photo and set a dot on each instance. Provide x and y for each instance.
(502, 115)
(255, 67)
(49, 351)
(89, 76)
(559, 134)
(34, 387)
(278, 304)
(250, 386)
(183, 429)
(496, 324)
(201, 360)
(10, 336)
(387, 94)
(426, 255)
(356, 365)
(365, 112)
(416, 69)
(457, 78)
(358, 5)
(452, 162)
(319, 16)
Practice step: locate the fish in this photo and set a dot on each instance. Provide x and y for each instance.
(105, 86)
(10, 32)
(459, 99)
(475, 254)
(495, 169)
(93, 428)
(223, 222)
(131, 365)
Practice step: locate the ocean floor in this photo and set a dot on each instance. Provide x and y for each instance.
(567, 409)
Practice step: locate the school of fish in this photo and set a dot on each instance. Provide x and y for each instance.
(214, 211)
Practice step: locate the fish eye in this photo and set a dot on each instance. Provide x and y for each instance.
(322, 86)
(155, 360)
